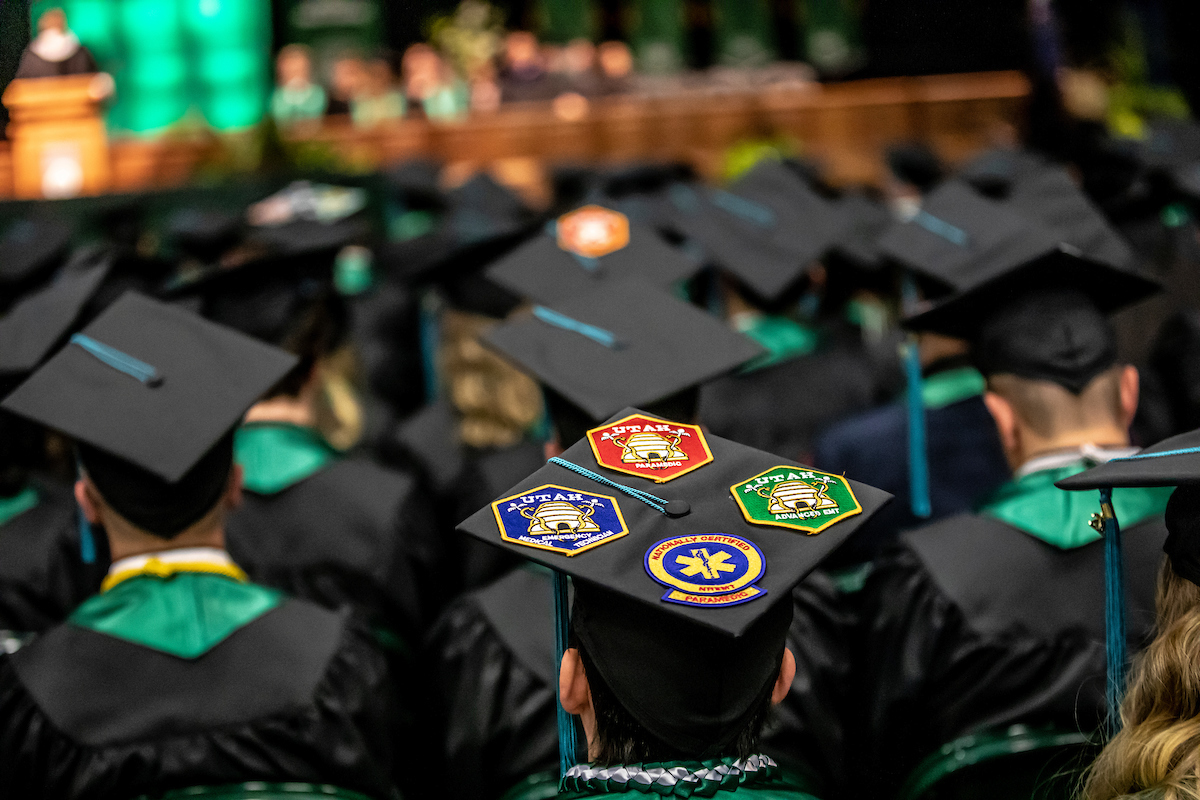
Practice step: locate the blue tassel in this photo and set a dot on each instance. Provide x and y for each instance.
(430, 333)
(87, 539)
(566, 724)
(918, 458)
(1114, 610)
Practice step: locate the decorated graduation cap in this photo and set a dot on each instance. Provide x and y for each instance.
(1171, 462)
(584, 248)
(683, 587)
(150, 393)
(765, 228)
(623, 343)
(987, 251)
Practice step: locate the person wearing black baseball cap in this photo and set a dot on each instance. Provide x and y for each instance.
(180, 672)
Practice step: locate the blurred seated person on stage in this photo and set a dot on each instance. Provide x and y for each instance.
(379, 100)
(523, 74)
(616, 67)
(431, 85)
(347, 80)
(55, 51)
(296, 98)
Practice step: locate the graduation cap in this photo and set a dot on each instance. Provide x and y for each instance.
(150, 384)
(30, 249)
(765, 228)
(683, 589)
(39, 321)
(623, 343)
(987, 251)
(203, 232)
(995, 172)
(1171, 462)
(583, 249)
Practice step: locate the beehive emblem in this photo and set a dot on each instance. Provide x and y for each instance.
(791, 496)
(559, 516)
(653, 448)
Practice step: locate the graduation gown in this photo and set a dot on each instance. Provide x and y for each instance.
(966, 460)
(491, 659)
(491, 665)
(33, 65)
(43, 575)
(462, 480)
(335, 530)
(174, 678)
(781, 408)
(982, 621)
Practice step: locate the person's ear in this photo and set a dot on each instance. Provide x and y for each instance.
(573, 690)
(233, 489)
(88, 503)
(783, 683)
(1130, 394)
(1006, 421)
(552, 448)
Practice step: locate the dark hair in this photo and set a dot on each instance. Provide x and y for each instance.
(151, 503)
(572, 422)
(621, 739)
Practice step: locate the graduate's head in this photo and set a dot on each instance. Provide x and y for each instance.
(623, 344)
(151, 394)
(52, 19)
(649, 685)
(1050, 359)
(131, 503)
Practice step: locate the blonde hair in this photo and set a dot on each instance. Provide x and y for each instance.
(1158, 747)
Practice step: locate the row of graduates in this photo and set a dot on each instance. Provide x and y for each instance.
(347, 533)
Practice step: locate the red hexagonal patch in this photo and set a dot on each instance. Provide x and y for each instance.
(650, 448)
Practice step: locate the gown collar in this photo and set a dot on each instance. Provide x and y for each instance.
(675, 778)
(163, 564)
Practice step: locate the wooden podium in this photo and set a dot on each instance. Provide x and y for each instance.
(59, 145)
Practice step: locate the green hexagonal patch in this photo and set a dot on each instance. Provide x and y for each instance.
(803, 499)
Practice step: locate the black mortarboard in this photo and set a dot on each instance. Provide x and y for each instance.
(1172, 462)
(622, 343)
(1056, 335)
(150, 384)
(30, 249)
(583, 249)
(685, 617)
(32, 327)
(864, 223)
(988, 251)
(416, 180)
(916, 164)
(995, 172)
(765, 229)
(203, 232)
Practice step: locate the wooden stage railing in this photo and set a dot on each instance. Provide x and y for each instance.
(846, 126)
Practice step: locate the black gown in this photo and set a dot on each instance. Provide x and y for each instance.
(298, 694)
(491, 658)
(966, 464)
(972, 625)
(781, 408)
(491, 664)
(32, 65)
(352, 533)
(42, 573)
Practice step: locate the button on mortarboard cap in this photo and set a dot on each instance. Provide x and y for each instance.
(31, 328)
(151, 384)
(623, 343)
(684, 616)
(583, 249)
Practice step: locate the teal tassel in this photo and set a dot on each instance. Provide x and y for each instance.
(430, 334)
(918, 457)
(566, 724)
(1114, 610)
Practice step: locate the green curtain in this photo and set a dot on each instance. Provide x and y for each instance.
(744, 32)
(831, 36)
(658, 36)
(564, 20)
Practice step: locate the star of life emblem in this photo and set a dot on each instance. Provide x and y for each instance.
(708, 569)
